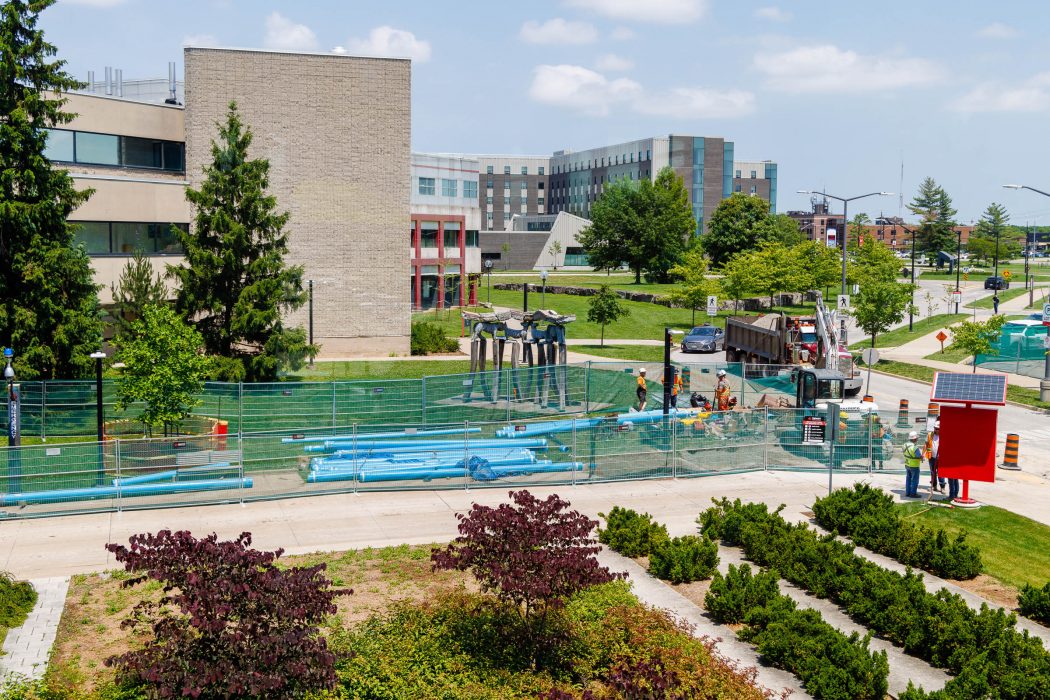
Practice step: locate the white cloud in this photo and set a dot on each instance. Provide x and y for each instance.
(392, 43)
(580, 89)
(1033, 95)
(698, 103)
(773, 14)
(590, 92)
(613, 63)
(830, 69)
(200, 40)
(558, 31)
(998, 30)
(95, 3)
(622, 34)
(285, 35)
(657, 11)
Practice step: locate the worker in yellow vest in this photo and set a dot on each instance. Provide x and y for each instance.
(912, 462)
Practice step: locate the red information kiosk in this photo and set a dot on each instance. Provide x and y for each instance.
(969, 415)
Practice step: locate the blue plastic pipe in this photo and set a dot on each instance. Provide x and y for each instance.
(384, 436)
(60, 495)
(654, 416)
(172, 474)
(546, 428)
(348, 467)
(335, 446)
(426, 474)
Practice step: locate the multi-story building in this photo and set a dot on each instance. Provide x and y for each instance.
(445, 217)
(510, 186)
(338, 163)
(705, 164)
(757, 178)
(821, 225)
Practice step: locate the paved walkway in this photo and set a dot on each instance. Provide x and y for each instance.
(27, 648)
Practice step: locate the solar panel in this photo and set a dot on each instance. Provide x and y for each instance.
(969, 388)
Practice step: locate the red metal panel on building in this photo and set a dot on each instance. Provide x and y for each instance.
(967, 443)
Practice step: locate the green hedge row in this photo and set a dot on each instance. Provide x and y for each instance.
(987, 655)
(678, 560)
(1034, 603)
(17, 598)
(868, 517)
(831, 665)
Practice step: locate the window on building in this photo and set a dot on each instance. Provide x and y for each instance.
(488, 184)
(541, 169)
(754, 174)
(470, 189)
(506, 170)
(539, 200)
(488, 170)
(488, 200)
(451, 236)
(524, 170)
(124, 238)
(539, 186)
(737, 187)
(108, 149)
(449, 188)
(488, 216)
(426, 185)
(752, 189)
(738, 173)
(524, 185)
(428, 234)
(648, 155)
(60, 148)
(471, 239)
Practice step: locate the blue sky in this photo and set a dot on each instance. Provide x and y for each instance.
(838, 93)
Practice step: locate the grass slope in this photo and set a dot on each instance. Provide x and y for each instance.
(1004, 296)
(901, 336)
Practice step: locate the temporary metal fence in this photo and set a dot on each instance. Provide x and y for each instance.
(67, 409)
(55, 479)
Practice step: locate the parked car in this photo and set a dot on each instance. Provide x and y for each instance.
(996, 283)
(706, 338)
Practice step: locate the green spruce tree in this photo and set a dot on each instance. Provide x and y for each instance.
(236, 284)
(139, 286)
(49, 310)
(934, 208)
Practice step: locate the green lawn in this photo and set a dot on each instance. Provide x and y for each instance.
(379, 369)
(634, 353)
(1040, 271)
(950, 354)
(1014, 549)
(1018, 394)
(616, 281)
(900, 336)
(1004, 296)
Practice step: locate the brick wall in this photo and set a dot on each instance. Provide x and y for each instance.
(336, 130)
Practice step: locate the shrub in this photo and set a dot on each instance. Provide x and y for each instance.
(1035, 602)
(732, 596)
(629, 533)
(17, 598)
(684, 559)
(868, 517)
(229, 623)
(532, 554)
(429, 338)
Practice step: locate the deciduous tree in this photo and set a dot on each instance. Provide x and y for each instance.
(49, 310)
(741, 223)
(235, 283)
(879, 305)
(978, 337)
(605, 308)
(694, 285)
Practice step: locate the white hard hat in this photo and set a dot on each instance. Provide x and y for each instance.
(913, 435)
(721, 373)
(937, 424)
(641, 371)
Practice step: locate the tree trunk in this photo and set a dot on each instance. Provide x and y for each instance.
(638, 275)
(603, 335)
(694, 316)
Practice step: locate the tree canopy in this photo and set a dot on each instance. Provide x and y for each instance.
(139, 286)
(694, 285)
(49, 310)
(644, 225)
(604, 308)
(235, 283)
(740, 223)
(934, 208)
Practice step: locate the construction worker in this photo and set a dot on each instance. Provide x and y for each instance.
(676, 387)
(722, 391)
(933, 443)
(642, 391)
(912, 462)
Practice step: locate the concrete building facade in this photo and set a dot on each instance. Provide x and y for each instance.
(510, 186)
(445, 219)
(527, 244)
(336, 130)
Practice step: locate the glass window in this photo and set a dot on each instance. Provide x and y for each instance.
(165, 238)
(60, 147)
(539, 200)
(94, 235)
(472, 239)
(488, 184)
(539, 186)
(451, 269)
(428, 234)
(752, 189)
(738, 173)
(451, 238)
(174, 155)
(129, 237)
(488, 170)
(524, 185)
(488, 216)
(737, 188)
(524, 170)
(470, 189)
(100, 149)
(506, 170)
(449, 188)
(143, 153)
(647, 154)
(754, 174)
(426, 185)
(541, 170)
(488, 200)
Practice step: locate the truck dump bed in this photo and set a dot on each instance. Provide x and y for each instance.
(758, 335)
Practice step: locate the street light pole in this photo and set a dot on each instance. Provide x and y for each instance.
(488, 273)
(668, 370)
(543, 292)
(14, 425)
(958, 266)
(1044, 383)
(98, 357)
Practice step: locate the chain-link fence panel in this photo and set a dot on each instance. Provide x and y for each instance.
(718, 442)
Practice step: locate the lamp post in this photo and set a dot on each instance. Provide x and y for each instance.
(488, 273)
(14, 425)
(543, 294)
(845, 221)
(958, 265)
(98, 357)
(1044, 383)
(668, 371)
(311, 317)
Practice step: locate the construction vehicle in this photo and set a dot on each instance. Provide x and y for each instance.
(777, 339)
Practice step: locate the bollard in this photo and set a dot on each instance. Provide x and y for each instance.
(902, 414)
(934, 411)
(1010, 460)
(868, 398)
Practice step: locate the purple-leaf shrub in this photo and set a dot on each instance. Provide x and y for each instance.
(230, 622)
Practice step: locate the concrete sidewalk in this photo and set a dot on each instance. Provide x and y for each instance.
(37, 548)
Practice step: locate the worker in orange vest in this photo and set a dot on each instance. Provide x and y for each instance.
(722, 391)
(642, 392)
(676, 387)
